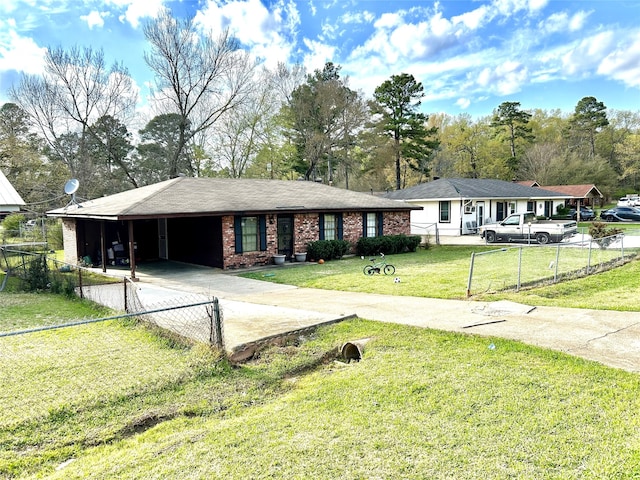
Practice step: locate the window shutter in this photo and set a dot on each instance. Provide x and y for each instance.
(364, 224)
(380, 223)
(339, 226)
(237, 229)
(262, 225)
(321, 226)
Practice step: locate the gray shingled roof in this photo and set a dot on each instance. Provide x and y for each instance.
(470, 188)
(185, 196)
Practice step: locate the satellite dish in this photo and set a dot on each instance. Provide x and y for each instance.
(71, 186)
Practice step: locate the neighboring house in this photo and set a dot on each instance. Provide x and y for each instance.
(10, 200)
(457, 206)
(224, 223)
(584, 195)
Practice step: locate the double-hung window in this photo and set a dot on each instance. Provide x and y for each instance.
(372, 224)
(330, 232)
(250, 233)
(445, 209)
(330, 226)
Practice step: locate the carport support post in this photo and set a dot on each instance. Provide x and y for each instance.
(132, 252)
(103, 248)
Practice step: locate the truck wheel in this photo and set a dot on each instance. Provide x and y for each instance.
(490, 236)
(542, 238)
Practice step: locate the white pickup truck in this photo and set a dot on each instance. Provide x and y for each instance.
(525, 226)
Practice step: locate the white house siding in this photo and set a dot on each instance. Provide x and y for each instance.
(463, 221)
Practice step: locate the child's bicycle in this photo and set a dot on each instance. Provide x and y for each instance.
(381, 266)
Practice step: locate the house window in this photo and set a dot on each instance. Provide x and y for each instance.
(330, 226)
(445, 208)
(372, 223)
(512, 207)
(250, 234)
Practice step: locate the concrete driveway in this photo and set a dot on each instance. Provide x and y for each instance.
(255, 309)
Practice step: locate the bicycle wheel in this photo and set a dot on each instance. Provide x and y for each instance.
(389, 269)
(369, 270)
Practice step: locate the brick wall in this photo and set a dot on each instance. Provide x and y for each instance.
(397, 223)
(305, 230)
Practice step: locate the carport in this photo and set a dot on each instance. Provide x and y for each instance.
(223, 223)
(106, 242)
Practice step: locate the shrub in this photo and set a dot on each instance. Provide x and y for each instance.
(11, 224)
(37, 277)
(603, 234)
(387, 244)
(327, 249)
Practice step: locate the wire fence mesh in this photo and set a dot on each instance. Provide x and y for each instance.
(513, 268)
(193, 317)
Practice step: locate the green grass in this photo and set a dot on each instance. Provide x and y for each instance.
(421, 404)
(443, 272)
(117, 400)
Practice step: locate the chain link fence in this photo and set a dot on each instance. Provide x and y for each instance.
(190, 316)
(517, 267)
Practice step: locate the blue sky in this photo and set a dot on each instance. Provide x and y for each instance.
(470, 55)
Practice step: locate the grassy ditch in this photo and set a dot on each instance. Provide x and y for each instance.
(421, 404)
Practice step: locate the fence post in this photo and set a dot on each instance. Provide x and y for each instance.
(622, 247)
(473, 256)
(589, 257)
(519, 269)
(555, 273)
(124, 282)
(218, 320)
(80, 282)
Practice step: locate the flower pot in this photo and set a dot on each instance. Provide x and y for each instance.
(301, 257)
(279, 259)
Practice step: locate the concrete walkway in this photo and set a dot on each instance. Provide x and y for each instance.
(255, 309)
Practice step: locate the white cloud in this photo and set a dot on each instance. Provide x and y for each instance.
(21, 54)
(560, 22)
(267, 34)
(363, 17)
(578, 20)
(388, 20)
(94, 19)
(319, 54)
(473, 19)
(587, 54)
(463, 103)
(136, 10)
(505, 79)
(623, 64)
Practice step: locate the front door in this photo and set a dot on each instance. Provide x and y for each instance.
(285, 235)
(480, 213)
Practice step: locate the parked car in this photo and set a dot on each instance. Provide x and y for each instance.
(629, 200)
(621, 214)
(586, 214)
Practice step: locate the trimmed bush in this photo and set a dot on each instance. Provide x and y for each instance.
(387, 244)
(327, 249)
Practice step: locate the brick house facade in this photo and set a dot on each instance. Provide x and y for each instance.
(222, 223)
